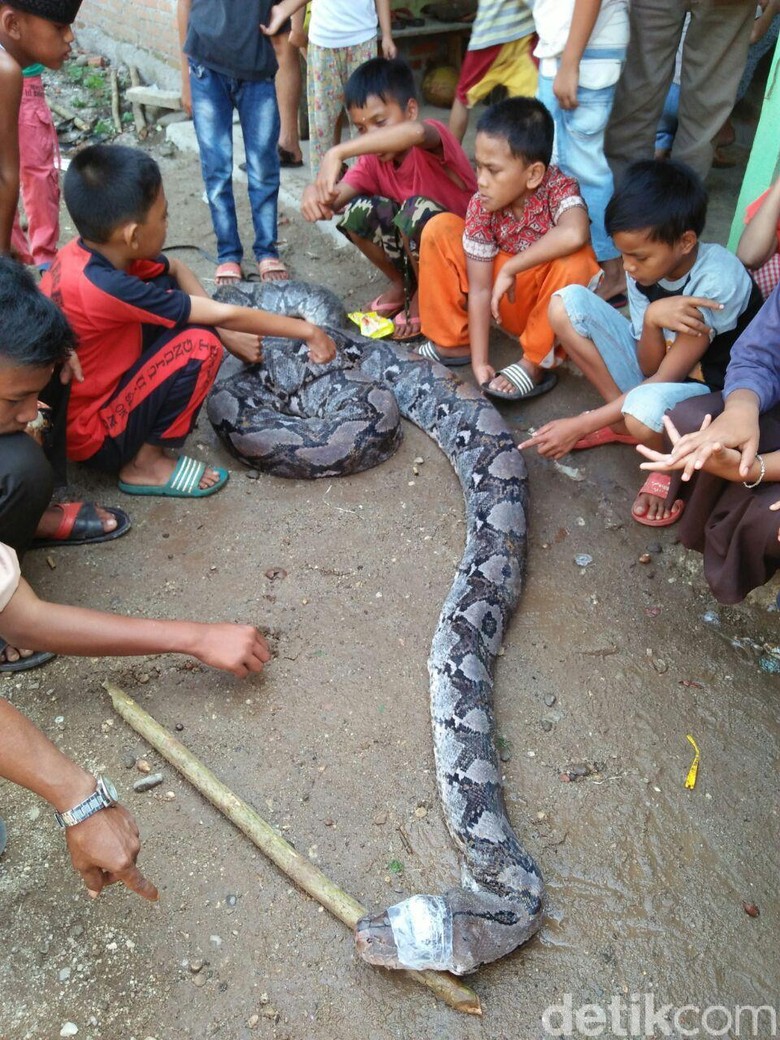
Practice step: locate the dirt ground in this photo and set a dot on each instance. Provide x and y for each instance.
(612, 664)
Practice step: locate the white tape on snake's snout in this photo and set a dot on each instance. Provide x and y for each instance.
(422, 930)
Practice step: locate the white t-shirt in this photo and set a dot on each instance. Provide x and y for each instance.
(605, 52)
(9, 574)
(342, 23)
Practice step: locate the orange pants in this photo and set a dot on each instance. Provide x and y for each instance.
(444, 291)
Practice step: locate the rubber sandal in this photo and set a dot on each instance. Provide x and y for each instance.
(81, 525)
(272, 265)
(24, 664)
(384, 310)
(406, 328)
(658, 484)
(618, 301)
(605, 435)
(288, 160)
(229, 273)
(525, 387)
(182, 483)
(431, 352)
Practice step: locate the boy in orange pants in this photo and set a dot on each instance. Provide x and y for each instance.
(526, 235)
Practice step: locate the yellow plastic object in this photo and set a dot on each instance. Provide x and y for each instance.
(690, 780)
(372, 324)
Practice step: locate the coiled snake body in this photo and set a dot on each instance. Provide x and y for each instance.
(259, 412)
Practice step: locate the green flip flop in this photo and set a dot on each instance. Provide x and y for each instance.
(183, 482)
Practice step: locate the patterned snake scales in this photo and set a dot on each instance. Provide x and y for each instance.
(292, 419)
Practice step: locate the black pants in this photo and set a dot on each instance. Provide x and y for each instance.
(26, 485)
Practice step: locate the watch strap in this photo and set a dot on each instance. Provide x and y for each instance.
(94, 803)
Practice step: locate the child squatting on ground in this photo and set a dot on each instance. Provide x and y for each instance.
(524, 237)
(31, 32)
(149, 338)
(408, 170)
(726, 465)
(35, 340)
(688, 302)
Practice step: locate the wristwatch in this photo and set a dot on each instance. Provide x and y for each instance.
(104, 797)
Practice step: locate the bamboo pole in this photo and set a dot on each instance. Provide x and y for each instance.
(289, 860)
(66, 112)
(138, 112)
(116, 115)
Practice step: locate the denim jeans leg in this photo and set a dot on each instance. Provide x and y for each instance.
(579, 151)
(212, 114)
(609, 332)
(259, 116)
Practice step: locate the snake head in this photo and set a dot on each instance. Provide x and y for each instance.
(375, 942)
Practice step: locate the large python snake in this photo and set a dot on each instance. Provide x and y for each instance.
(352, 405)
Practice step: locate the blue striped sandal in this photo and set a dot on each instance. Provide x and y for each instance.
(182, 483)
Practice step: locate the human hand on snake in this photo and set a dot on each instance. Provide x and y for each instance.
(246, 346)
(321, 347)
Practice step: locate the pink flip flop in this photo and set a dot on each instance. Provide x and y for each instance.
(658, 484)
(605, 435)
(384, 310)
(228, 273)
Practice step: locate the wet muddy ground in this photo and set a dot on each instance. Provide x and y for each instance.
(606, 669)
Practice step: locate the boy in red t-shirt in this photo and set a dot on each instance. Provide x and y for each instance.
(149, 339)
(408, 170)
(526, 235)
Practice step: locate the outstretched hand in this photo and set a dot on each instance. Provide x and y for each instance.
(735, 428)
(556, 438)
(104, 849)
(722, 461)
(239, 649)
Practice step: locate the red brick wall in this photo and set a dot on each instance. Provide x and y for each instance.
(147, 24)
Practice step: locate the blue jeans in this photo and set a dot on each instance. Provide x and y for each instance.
(214, 97)
(611, 335)
(579, 152)
(667, 124)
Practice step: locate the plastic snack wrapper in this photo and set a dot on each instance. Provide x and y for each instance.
(371, 324)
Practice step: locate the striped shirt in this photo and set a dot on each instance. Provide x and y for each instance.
(500, 21)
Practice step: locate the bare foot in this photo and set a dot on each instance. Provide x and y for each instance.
(614, 281)
(153, 467)
(390, 301)
(651, 507)
(12, 654)
(51, 519)
(228, 273)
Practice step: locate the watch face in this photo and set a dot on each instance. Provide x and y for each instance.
(108, 789)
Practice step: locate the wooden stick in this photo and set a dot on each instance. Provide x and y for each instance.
(115, 113)
(298, 867)
(138, 112)
(66, 112)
